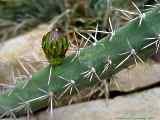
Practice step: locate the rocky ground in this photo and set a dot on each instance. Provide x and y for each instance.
(139, 106)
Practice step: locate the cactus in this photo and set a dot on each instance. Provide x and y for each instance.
(134, 42)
